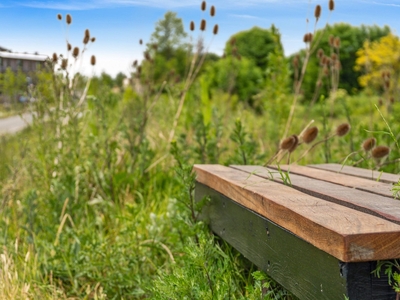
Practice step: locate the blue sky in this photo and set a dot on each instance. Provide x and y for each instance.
(30, 26)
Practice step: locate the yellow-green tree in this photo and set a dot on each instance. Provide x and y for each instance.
(380, 63)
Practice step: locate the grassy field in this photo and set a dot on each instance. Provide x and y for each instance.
(97, 196)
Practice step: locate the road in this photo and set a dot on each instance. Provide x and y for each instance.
(15, 123)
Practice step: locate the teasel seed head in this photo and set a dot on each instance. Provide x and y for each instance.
(86, 39)
(391, 100)
(135, 63)
(295, 144)
(215, 30)
(87, 32)
(69, 47)
(296, 60)
(337, 42)
(368, 144)
(75, 52)
(380, 152)
(55, 58)
(334, 56)
(287, 143)
(203, 5)
(331, 40)
(310, 135)
(64, 64)
(331, 5)
(68, 19)
(140, 41)
(59, 16)
(147, 55)
(93, 60)
(203, 25)
(320, 53)
(212, 11)
(192, 26)
(93, 39)
(343, 129)
(317, 12)
(387, 84)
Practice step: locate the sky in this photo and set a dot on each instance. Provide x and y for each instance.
(118, 25)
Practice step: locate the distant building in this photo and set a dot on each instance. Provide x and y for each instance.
(25, 62)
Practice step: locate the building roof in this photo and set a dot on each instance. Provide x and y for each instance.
(4, 49)
(25, 56)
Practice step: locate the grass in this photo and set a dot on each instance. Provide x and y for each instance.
(97, 195)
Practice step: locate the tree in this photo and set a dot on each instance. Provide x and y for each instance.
(255, 44)
(380, 62)
(351, 39)
(168, 35)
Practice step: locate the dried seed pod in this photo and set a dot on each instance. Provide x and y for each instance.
(191, 26)
(331, 40)
(86, 39)
(135, 63)
(93, 39)
(334, 56)
(87, 33)
(55, 58)
(140, 41)
(368, 144)
(203, 5)
(287, 143)
(75, 52)
(212, 11)
(64, 64)
(320, 53)
(317, 12)
(295, 144)
(68, 19)
(296, 61)
(310, 135)
(93, 60)
(147, 55)
(337, 42)
(215, 30)
(343, 129)
(203, 25)
(380, 152)
(69, 47)
(331, 5)
(59, 16)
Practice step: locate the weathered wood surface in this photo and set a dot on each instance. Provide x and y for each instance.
(345, 233)
(374, 187)
(359, 172)
(306, 271)
(387, 208)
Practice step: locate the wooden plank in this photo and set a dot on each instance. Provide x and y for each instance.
(380, 206)
(344, 233)
(306, 271)
(359, 172)
(375, 187)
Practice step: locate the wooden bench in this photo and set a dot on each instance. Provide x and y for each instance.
(320, 238)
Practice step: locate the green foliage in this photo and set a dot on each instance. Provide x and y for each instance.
(169, 34)
(13, 84)
(352, 39)
(236, 77)
(255, 44)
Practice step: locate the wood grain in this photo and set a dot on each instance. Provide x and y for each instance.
(375, 187)
(359, 172)
(377, 205)
(346, 234)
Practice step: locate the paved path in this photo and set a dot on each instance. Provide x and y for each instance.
(15, 123)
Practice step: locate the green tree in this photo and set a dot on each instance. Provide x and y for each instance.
(13, 84)
(352, 39)
(169, 35)
(255, 44)
(119, 79)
